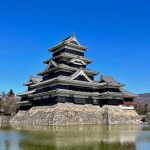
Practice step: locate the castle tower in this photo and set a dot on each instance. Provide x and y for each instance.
(67, 79)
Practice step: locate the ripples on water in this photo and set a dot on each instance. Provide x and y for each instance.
(77, 137)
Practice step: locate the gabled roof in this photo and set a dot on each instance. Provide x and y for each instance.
(66, 79)
(110, 81)
(77, 61)
(127, 94)
(51, 63)
(33, 80)
(36, 79)
(80, 72)
(70, 41)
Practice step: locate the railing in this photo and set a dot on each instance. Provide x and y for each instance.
(125, 107)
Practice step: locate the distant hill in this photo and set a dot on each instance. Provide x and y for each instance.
(143, 98)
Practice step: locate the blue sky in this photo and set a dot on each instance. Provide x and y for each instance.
(116, 32)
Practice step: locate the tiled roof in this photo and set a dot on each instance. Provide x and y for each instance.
(127, 93)
(33, 80)
(110, 80)
(26, 92)
(71, 40)
(36, 79)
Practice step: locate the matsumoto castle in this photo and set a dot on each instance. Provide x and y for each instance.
(67, 79)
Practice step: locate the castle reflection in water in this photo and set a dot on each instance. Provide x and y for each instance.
(95, 137)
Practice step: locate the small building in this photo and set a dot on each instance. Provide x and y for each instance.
(67, 79)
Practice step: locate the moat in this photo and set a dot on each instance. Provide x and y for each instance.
(75, 137)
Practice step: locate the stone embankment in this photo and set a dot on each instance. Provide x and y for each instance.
(5, 119)
(68, 114)
(60, 114)
(116, 115)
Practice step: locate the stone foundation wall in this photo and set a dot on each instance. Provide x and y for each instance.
(5, 119)
(67, 114)
(60, 114)
(116, 115)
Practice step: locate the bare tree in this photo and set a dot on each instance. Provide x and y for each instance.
(3, 95)
(1, 105)
(9, 103)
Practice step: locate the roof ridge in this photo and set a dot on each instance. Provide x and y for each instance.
(64, 39)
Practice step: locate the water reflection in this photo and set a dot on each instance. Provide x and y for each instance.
(80, 137)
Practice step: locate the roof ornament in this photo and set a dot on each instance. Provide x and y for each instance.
(78, 73)
(77, 61)
(73, 34)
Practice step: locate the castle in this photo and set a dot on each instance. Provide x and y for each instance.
(67, 80)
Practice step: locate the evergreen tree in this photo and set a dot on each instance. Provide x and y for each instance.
(11, 92)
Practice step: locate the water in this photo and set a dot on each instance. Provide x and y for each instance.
(81, 137)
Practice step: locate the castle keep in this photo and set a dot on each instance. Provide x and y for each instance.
(66, 93)
(67, 79)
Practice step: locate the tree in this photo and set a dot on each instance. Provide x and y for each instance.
(10, 107)
(142, 109)
(1, 103)
(11, 95)
(9, 103)
(3, 95)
